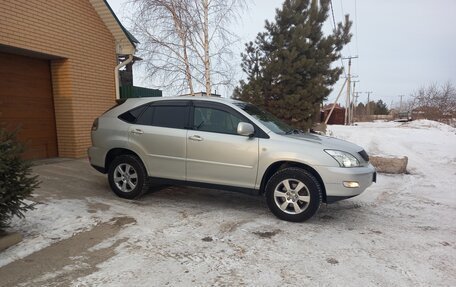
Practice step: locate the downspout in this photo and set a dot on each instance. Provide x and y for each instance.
(116, 74)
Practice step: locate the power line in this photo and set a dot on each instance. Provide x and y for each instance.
(335, 26)
(356, 28)
(343, 14)
(332, 12)
(342, 7)
(356, 32)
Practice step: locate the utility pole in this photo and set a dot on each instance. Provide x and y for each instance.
(347, 99)
(350, 119)
(335, 102)
(355, 100)
(368, 101)
(400, 105)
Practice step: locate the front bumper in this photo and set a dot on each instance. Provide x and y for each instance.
(334, 178)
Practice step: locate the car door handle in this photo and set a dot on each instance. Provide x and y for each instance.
(195, 138)
(137, 131)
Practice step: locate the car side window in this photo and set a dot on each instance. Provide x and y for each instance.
(170, 116)
(215, 120)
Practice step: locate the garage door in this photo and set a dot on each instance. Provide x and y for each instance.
(26, 102)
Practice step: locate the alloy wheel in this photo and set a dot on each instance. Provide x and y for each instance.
(292, 196)
(125, 177)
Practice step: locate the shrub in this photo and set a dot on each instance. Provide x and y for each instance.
(16, 180)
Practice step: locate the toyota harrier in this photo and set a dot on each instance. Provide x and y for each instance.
(225, 144)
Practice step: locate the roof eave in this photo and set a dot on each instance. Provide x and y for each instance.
(125, 41)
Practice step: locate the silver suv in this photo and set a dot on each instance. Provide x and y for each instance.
(225, 144)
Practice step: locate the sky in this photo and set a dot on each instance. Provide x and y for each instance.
(402, 45)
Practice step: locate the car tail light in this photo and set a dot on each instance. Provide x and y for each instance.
(95, 125)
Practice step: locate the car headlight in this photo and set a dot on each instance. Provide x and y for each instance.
(343, 158)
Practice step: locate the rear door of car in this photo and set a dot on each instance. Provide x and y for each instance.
(160, 135)
(215, 152)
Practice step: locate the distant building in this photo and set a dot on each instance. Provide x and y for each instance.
(337, 116)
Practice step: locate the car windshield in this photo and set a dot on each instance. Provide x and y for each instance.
(267, 119)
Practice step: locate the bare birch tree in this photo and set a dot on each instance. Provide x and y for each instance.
(187, 43)
(212, 39)
(163, 28)
(207, 59)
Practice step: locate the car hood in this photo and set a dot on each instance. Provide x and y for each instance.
(326, 142)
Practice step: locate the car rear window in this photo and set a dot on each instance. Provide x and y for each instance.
(132, 115)
(160, 116)
(169, 114)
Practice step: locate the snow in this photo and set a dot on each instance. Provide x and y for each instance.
(400, 232)
(48, 223)
(430, 147)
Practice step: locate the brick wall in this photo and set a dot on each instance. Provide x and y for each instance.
(82, 77)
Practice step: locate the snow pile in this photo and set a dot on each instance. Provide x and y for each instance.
(421, 141)
(430, 147)
(427, 124)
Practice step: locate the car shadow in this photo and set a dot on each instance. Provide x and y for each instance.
(209, 198)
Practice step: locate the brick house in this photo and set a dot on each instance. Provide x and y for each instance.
(57, 71)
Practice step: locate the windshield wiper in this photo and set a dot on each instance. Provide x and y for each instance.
(293, 131)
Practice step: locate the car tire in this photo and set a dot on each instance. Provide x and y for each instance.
(293, 194)
(127, 176)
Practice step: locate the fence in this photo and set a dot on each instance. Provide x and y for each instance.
(370, 118)
(138, 92)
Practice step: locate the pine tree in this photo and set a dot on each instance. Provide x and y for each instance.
(251, 65)
(16, 181)
(380, 108)
(288, 66)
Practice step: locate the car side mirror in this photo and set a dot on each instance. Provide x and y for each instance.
(245, 129)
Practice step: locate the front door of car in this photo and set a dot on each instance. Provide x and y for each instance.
(160, 135)
(216, 154)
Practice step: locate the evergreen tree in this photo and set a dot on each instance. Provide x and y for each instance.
(16, 181)
(251, 65)
(288, 66)
(380, 108)
(360, 109)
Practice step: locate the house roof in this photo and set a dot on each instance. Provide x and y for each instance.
(125, 41)
(329, 106)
